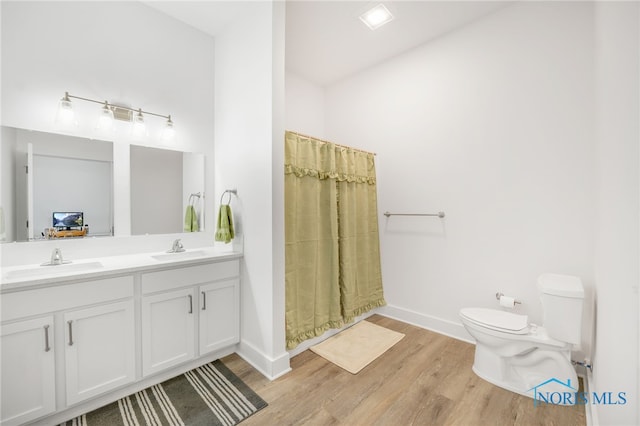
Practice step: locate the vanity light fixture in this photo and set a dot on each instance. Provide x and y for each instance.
(168, 132)
(105, 119)
(65, 118)
(138, 128)
(376, 17)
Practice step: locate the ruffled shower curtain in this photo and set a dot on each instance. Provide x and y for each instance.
(332, 251)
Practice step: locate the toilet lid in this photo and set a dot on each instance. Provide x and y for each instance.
(497, 320)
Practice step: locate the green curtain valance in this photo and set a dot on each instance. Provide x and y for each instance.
(305, 156)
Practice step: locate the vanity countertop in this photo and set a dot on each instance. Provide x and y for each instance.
(18, 278)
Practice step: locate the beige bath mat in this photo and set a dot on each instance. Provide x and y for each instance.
(356, 347)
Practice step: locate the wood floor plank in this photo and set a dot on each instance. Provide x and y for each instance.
(425, 379)
(427, 406)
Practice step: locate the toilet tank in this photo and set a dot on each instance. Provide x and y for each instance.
(562, 299)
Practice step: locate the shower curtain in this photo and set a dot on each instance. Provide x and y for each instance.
(332, 252)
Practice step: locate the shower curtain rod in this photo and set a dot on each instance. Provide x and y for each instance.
(333, 143)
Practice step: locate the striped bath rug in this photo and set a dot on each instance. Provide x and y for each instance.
(207, 395)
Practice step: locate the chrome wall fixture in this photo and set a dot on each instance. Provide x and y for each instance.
(439, 214)
(228, 192)
(65, 118)
(195, 195)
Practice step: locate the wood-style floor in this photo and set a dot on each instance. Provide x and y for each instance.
(425, 379)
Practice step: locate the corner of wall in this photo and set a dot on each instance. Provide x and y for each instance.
(271, 368)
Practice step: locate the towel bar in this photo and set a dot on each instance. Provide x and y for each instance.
(439, 214)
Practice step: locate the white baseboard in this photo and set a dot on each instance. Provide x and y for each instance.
(590, 410)
(271, 368)
(438, 325)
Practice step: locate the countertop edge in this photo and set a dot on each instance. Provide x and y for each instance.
(145, 263)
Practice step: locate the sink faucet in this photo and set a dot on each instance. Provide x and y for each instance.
(176, 247)
(56, 257)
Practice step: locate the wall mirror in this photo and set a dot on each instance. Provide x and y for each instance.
(74, 174)
(167, 191)
(44, 173)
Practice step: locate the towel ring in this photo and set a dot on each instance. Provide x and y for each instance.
(196, 195)
(228, 191)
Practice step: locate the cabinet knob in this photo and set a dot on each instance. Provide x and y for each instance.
(204, 300)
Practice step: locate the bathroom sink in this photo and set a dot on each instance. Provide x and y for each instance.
(168, 257)
(53, 270)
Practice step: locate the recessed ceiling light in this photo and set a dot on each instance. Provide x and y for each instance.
(376, 17)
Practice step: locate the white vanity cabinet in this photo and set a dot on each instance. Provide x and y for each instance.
(168, 336)
(38, 363)
(99, 349)
(219, 315)
(70, 345)
(28, 370)
(189, 309)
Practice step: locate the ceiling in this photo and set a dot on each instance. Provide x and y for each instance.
(325, 40)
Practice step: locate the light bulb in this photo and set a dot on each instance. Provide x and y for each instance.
(105, 120)
(169, 132)
(65, 117)
(138, 128)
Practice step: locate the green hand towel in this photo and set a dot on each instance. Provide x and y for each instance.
(190, 220)
(225, 230)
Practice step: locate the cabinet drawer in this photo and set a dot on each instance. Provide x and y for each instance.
(42, 300)
(192, 275)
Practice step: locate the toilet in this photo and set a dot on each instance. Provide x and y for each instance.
(519, 356)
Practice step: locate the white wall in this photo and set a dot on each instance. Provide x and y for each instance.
(246, 140)
(124, 52)
(493, 124)
(305, 106)
(616, 358)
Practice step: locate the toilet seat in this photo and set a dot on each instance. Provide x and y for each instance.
(506, 322)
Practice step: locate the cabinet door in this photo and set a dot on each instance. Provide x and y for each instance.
(99, 349)
(28, 370)
(219, 315)
(168, 330)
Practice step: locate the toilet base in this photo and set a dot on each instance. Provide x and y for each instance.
(536, 373)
